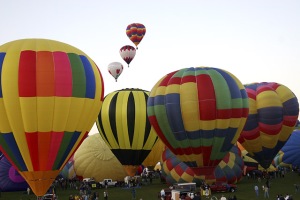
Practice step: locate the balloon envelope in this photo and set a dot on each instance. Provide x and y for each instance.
(10, 179)
(272, 117)
(115, 69)
(51, 94)
(136, 32)
(124, 126)
(94, 159)
(289, 153)
(228, 170)
(198, 113)
(155, 155)
(127, 53)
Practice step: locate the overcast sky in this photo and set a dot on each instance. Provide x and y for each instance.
(257, 40)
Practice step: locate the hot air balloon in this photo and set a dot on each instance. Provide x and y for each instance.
(135, 33)
(289, 153)
(124, 126)
(198, 113)
(155, 155)
(273, 114)
(51, 94)
(10, 179)
(94, 159)
(127, 53)
(68, 172)
(115, 69)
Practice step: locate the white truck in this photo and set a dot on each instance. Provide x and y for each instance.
(108, 182)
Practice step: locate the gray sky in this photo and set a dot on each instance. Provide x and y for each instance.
(257, 40)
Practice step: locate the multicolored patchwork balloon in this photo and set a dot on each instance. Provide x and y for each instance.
(136, 33)
(198, 113)
(229, 170)
(50, 96)
(273, 114)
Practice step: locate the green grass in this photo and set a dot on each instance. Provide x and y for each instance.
(150, 192)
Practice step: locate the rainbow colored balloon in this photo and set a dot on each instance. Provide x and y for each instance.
(198, 113)
(50, 96)
(273, 114)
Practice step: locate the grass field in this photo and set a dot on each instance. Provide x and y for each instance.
(149, 192)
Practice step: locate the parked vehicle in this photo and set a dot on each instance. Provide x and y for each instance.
(223, 187)
(50, 197)
(109, 183)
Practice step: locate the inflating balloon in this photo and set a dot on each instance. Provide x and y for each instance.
(289, 153)
(94, 159)
(127, 53)
(136, 33)
(273, 114)
(51, 94)
(124, 126)
(229, 170)
(115, 69)
(155, 155)
(10, 179)
(198, 113)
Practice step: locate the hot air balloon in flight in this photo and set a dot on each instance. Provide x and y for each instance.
(135, 33)
(127, 53)
(124, 126)
(51, 94)
(115, 69)
(273, 114)
(198, 113)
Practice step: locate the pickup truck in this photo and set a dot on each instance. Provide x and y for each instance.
(110, 183)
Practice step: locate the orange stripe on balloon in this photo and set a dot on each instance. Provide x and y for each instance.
(45, 74)
(44, 150)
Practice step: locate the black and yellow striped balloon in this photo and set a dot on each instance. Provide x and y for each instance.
(124, 126)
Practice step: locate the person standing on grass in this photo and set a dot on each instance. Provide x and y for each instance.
(256, 190)
(266, 189)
